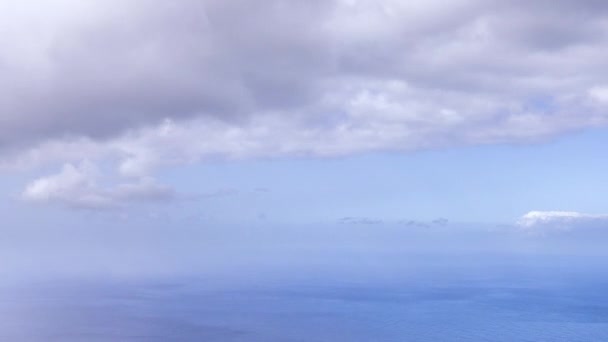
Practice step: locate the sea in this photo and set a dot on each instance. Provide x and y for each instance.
(324, 289)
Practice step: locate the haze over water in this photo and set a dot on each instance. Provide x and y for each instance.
(386, 289)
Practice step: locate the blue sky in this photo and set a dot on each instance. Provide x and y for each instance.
(493, 184)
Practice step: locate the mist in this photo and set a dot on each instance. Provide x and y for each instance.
(258, 251)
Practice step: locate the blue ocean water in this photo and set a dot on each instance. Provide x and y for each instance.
(340, 284)
(459, 306)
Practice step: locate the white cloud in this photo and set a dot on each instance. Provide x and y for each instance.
(73, 185)
(599, 94)
(77, 186)
(560, 220)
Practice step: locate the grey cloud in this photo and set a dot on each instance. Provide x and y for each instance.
(113, 74)
(415, 224)
(438, 222)
(146, 84)
(359, 220)
(141, 62)
(137, 63)
(226, 192)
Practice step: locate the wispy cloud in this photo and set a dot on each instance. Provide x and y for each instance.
(360, 220)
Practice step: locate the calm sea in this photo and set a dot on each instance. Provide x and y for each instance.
(507, 304)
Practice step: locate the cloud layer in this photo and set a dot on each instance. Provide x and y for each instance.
(146, 84)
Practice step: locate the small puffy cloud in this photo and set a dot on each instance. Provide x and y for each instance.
(560, 220)
(78, 186)
(73, 186)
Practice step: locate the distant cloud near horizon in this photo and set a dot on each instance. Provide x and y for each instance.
(560, 220)
(360, 220)
(142, 85)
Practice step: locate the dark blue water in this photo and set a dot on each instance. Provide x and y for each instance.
(550, 306)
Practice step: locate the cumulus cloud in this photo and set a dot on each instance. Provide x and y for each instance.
(560, 220)
(147, 84)
(77, 186)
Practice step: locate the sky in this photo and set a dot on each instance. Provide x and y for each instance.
(139, 114)
(274, 169)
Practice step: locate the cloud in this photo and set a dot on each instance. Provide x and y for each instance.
(77, 186)
(359, 220)
(441, 221)
(415, 224)
(351, 220)
(146, 84)
(438, 222)
(560, 220)
(145, 190)
(220, 193)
